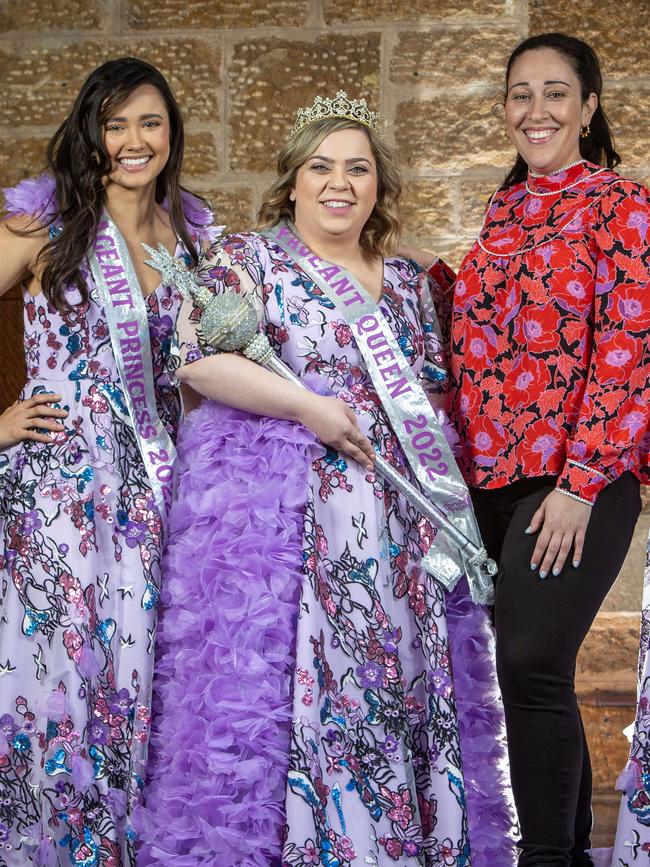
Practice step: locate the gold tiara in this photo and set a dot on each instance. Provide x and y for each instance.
(340, 106)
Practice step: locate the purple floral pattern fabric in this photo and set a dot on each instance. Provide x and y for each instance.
(80, 580)
(375, 770)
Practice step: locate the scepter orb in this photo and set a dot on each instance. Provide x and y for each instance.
(229, 323)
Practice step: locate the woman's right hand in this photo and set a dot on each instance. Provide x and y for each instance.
(335, 424)
(24, 420)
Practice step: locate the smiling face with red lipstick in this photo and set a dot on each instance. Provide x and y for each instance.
(545, 109)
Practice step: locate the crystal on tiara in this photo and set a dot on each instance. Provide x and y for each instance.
(340, 106)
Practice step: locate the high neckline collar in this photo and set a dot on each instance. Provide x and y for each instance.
(557, 181)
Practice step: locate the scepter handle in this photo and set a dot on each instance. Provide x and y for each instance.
(387, 471)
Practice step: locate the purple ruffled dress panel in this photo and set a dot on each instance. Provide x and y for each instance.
(80, 571)
(226, 643)
(346, 748)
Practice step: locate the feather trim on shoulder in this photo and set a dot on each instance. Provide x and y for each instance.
(33, 197)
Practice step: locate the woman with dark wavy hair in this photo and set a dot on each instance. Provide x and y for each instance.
(87, 464)
(551, 365)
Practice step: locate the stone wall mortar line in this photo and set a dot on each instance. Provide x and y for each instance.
(422, 91)
(25, 131)
(624, 83)
(117, 14)
(66, 37)
(498, 26)
(51, 40)
(412, 176)
(455, 184)
(224, 126)
(387, 105)
(238, 177)
(200, 125)
(207, 182)
(317, 13)
(61, 37)
(263, 31)
(13, 37)
(522, 12)
(424, 22)
(315, 26)
(442, 26)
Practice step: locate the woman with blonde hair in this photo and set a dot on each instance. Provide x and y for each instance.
(322, 698)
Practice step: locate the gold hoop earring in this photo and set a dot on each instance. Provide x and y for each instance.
(585, 130)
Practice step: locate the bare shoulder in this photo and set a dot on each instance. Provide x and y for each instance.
(21, 240)
(25, 229)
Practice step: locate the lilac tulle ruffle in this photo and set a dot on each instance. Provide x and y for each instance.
(219, 759)
(490, 811)
(33, 197)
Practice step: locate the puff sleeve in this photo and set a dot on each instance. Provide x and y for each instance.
(615, 410)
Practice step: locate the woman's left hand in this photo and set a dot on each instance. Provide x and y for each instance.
(562, 525)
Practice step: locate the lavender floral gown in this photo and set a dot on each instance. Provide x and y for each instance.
(325, 733)
(80, 580)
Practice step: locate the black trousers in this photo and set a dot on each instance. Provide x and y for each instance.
(540, 625)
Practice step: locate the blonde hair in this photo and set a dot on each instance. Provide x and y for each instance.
(381, 231)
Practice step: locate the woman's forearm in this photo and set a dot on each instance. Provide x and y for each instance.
(234, 380)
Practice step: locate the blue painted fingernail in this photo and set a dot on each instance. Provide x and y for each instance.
(528, 530)
(576, 563)
(556, 571)
(543, 574)
(533, 566)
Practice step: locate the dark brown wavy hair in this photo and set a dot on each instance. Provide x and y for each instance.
(598, 146)
(78, 161)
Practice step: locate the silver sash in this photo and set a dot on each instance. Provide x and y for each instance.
(407, 407)
(126, 315)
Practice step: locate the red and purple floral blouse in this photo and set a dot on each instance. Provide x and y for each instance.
(550, 334)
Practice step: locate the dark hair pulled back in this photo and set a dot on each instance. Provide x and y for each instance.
(78, 160)
(598, 146)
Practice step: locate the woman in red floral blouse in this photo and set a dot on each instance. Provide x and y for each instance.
(551, 360)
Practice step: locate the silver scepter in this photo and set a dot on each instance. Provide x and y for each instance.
(229, 323)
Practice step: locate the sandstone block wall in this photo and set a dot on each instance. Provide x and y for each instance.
(241, 68)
